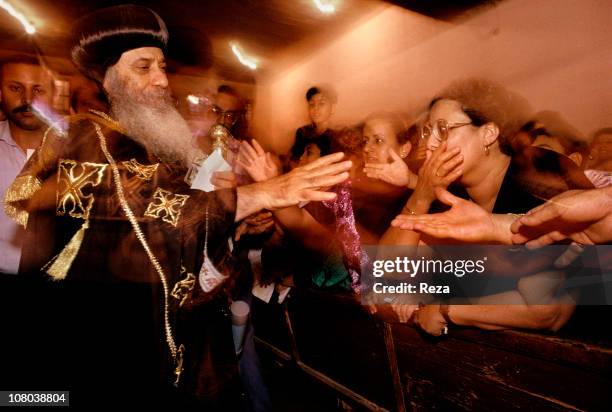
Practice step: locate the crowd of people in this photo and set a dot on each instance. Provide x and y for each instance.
(106, 200)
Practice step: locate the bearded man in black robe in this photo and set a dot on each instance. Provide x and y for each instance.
(145, 257)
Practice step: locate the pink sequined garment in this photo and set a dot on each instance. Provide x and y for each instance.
(346, 232)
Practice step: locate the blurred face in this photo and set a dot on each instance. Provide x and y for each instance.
(320, 108)
(311, 153)
(378, 138)
(552, 143)
(227, 108)
(549, 143)
(24, 85)
(142, 72)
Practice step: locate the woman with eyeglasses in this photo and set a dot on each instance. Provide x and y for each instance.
(468, 133)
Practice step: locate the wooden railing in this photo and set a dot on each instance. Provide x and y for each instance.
(376, 364)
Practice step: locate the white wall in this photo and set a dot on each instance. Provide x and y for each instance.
(557, 53)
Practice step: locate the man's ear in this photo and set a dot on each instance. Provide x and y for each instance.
(107, 76)
(576, 157)
(490, 133)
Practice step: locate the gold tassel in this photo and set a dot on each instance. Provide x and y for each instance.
(63, 261)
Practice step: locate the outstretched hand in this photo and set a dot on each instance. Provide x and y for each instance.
(465, 221)
(584, 216)
(303, 184)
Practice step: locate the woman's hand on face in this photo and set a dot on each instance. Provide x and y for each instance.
(396, 173)
(441, 169)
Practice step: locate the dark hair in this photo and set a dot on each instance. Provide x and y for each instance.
(570, 142)
(312, 92)
(484, 101)
(224, 88)
(413, 134)
(240, 128)
(324, 89)
(348, 139)
(18, 59)
(322, 142)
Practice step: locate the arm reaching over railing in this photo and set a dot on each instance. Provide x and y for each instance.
(584, 216)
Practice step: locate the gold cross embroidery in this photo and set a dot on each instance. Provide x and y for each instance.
(143, 172)
(72, 178)
(166, 205)
(182, 288)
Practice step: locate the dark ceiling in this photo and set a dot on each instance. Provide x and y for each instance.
(201, 30)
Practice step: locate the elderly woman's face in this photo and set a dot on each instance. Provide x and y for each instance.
(378, 138)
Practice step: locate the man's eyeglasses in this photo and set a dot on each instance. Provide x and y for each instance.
(231, 115)
(440, 129)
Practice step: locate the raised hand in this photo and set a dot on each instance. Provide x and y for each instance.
(441, 169)
(258, 163)
(395, 173)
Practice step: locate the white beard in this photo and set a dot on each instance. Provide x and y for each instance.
(152, 120)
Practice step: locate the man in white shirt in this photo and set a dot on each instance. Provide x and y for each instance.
(23, 83)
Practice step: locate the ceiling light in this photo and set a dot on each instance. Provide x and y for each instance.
(29, 28)
(324, 6)
(242, 57)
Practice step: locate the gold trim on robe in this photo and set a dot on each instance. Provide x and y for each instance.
(72, 178)
(182, 288)
(143, 172)
(22, 188)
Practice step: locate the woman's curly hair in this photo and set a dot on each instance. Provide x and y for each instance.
(485, 101)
